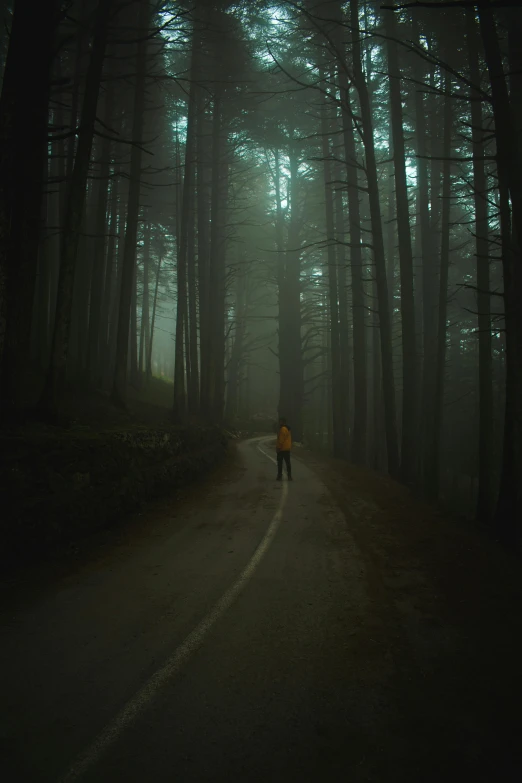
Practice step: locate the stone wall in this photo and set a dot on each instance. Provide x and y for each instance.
(55, 488)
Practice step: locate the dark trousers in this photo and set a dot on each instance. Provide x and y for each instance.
(283, 455)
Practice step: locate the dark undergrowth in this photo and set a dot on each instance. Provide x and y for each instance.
(59, 484)
(445, 607)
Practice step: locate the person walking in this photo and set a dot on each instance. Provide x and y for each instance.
(283, 449)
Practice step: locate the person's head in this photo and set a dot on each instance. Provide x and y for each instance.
(282, 421)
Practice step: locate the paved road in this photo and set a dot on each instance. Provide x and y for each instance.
(212, 645)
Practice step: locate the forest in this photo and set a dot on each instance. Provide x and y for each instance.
(299, 207)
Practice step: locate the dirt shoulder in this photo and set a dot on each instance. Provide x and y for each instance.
(446, 607)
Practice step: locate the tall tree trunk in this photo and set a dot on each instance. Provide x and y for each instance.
(132, 364)
(153, 319)
(100, 197)
(218, 331)
(514, 19)
(110, 281)
(434, 135)
(290, 344)
(429, 304)
(484, 499)
(119, 389)
(391, 220)
(335, 347)
(509, 508)
(388, 382)
(219, 192)
(145, 316)
(71, 145)
(509, 500)
(115, 297)
(203, 252)
(58, 162)
(236, 354)
(43, 296)
(192, 314)
(57, 172)
(214, 270)
(283, 314)
(23, 151)
(244, 399)
(443, 279)
(359, 435)
(41, 320)
(55, 380)
(180, 402)
(81, 298)
(328, 368)
(344, 330)
(187, 348)
(379, 434)
(409, 352)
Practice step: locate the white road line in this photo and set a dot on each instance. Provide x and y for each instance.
(267, 455)
(194, 640)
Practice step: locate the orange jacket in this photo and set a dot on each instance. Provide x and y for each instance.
(284, 439)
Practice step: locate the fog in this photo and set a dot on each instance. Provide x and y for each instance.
(307, 209)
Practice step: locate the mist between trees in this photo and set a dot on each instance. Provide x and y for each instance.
(311, 207)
